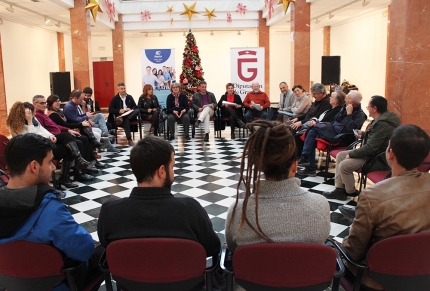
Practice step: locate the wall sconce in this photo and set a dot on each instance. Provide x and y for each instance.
(330, 15)
(317, 20)
(10, 8)
(160, 35)
(238, 32)
(47, 20)
(183, 33)
(58, 24)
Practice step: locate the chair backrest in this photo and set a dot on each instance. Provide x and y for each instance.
(401, 262)
(425, 165)
(3, 143)
(284, 265)
(29, 266)
(144, 262)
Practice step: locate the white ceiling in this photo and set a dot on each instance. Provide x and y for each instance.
(33, 13)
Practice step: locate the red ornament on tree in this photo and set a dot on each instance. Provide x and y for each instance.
(185, 81)
(197, 68)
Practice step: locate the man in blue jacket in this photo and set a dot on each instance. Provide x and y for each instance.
(31, 210)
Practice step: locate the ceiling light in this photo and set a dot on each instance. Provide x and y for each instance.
(365, 3)
(317, 21)
(330, 15)
(10, 8)
(47, 20)
(58, 24)
(212, 33)
(238, 32)
(160, 35)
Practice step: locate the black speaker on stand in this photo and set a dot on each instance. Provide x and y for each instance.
(60, 85)
(330, 70)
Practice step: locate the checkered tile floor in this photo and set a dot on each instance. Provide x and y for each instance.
(203, 171)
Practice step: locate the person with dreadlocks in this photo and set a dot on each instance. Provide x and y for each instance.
(275, 209)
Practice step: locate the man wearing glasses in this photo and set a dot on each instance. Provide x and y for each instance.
(375, 139)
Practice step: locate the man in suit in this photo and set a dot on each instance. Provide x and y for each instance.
(204, 104)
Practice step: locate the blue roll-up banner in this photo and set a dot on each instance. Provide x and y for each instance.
(158, 70)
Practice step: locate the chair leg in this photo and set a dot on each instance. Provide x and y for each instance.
(229, 282)
(108, 281)
(327, 164)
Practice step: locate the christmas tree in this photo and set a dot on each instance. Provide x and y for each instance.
(192, 71)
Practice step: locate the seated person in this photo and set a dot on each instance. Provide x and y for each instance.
(376, 139)
(204, 104)
(31, 210)
(74, 113)
(337, 100)
(253, 100)
(286, 212)
(92, 106)
(151, 210)
(350, 117)
(149, 107)
(233, 112)
(301, 104)
(321, 104)
(286, 100)
(120, 104)
(20, 121)
(395, 206)
(177, 107)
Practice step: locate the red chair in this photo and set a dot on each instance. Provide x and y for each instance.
(3, 143)
(374, 176)
(156, 264)
(399, 263)
(29, 266)
(283, 266)
(425, 165)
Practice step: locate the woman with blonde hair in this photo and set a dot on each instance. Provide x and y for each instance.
(275, 209)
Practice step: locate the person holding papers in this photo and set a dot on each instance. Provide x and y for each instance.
(204, 105)
(123, 106)
(256, 102)
(231, 107)
(301, 105)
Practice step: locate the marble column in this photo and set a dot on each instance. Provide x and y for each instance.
(408, 61)
(118, 52)
(264, 41)
(61, 56)
(326, 45)
(300, 43)
(80, 27)
(3, 103)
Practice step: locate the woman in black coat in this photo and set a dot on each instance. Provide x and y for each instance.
(233, 112)
(149, 107)
(177, 108)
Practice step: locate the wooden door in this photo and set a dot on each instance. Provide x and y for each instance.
(104, 88)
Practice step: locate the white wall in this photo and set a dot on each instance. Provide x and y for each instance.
(362, 45)
(280, 48)
(29, 54)
(68, 57)
(214, 52)
(317, 46)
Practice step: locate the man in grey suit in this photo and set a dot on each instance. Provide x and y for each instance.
(204, 104)
(286, 100)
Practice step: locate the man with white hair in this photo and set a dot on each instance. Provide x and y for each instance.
(350, 117)
(256, 102)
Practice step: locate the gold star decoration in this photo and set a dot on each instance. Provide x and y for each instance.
(94, 7)
(170, 9)
(171, 20)
(286, 4)
(189, 10)
(209, 13)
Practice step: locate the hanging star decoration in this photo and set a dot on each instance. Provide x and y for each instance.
(94, 7)
(209, 13)
(171, 20)
(145, 15)
(286, 4)
(170, 9)
(271, 9)
(241, 8)
(110, 10)
(229, 17)
(189, 10)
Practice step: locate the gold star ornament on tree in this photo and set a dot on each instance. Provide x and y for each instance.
(189, 10)
(170, 9)
(286, 4)
(94, 7)
(209, 13)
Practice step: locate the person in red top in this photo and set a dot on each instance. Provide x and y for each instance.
(256, 97)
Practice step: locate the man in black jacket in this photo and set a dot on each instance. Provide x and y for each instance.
(152, 211)
(122, 103)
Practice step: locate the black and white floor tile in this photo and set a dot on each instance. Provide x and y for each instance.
(207, 172)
